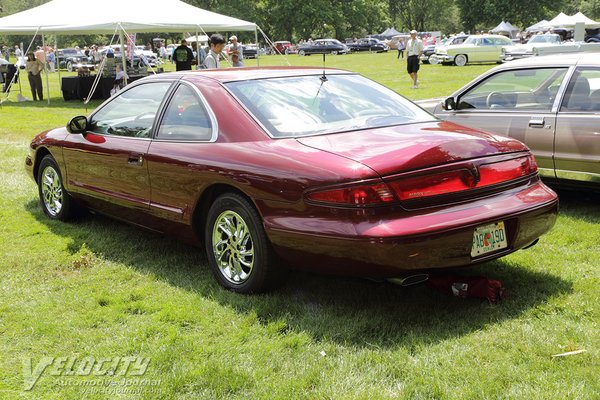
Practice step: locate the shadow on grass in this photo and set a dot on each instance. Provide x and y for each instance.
(579, 204)
(348, 311)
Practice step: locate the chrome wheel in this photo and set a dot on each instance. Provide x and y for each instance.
(52, 193)
(233, 247)
(54, 199)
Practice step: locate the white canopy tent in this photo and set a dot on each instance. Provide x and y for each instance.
(568, 21)
(88, 16)
(506, 28)
(122, 16)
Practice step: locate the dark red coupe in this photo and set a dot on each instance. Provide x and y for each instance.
(307, 168)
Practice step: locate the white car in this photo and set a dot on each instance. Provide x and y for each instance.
(477, 48)
(528, 49)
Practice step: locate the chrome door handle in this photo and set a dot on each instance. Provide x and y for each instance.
(536, 123)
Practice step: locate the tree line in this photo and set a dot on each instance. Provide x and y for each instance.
(303, 19)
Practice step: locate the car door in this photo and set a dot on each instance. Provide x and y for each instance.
(487, 50)
(185, 133)
(577, 145)
(108, 163)
(518, 103)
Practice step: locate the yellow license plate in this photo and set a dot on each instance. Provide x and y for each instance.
(489, 238)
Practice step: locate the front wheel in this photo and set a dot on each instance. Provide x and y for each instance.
(460, 60)
(334, 53)
(239, 252)
(301, 53)
(70, 66)
(56, 202)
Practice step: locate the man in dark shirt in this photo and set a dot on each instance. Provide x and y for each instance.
(183, 57)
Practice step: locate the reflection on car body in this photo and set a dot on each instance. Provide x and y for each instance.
(320, 169)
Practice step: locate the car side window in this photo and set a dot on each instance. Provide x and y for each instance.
(515, 90)
(132, 112)
(186, 117)
(583, 91)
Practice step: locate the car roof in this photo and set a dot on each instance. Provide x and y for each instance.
(562, 59)
(244, 74)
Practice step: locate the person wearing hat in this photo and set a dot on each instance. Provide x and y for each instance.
(235, 48)
(414, 49)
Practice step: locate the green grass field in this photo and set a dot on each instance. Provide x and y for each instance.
(82, 299)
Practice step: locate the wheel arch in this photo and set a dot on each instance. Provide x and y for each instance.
(39, 155)
(208, 196)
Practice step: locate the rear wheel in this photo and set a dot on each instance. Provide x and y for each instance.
(460, 60)
(56, 202)
(239, 252)
(301, 53)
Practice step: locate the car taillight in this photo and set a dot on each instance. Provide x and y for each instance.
(454, 181)
(358, 195)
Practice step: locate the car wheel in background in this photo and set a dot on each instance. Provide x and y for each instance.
(460, 60)
(55, 201)
(334, 52)
(301, 53)
(69, 66)
(238, 250)
(433, 60)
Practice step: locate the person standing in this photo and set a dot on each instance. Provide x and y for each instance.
(400, 49)
(34, 67)
(414, 49)
(183, 57)
(51, 60)
(216, 47)
(235, 48)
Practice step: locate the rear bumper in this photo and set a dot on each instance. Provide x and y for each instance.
(422, 241)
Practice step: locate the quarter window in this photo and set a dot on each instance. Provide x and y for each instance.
(515, 90)
(186, 117)
(132, 112)
(583, 92)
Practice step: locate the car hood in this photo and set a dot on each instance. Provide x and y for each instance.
(410, 147)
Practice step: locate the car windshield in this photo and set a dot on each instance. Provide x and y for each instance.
(312, 105)
(544, 39)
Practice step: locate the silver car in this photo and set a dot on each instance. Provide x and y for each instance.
(551, 103)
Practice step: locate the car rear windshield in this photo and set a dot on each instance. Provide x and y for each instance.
(318, 104)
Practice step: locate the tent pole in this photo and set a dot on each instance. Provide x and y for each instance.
(256, 41)
(57, 61)
(46, 68)
(123, 56)
(197, 50)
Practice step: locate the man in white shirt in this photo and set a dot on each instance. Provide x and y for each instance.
(414, 49)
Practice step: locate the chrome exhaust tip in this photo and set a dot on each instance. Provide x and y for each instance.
(409, 280)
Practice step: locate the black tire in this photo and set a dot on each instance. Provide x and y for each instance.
(54, 199)
(301, 53)
(246, 263)
(69, 66)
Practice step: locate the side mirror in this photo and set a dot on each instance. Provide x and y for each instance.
(78, 124)
(449, 104)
